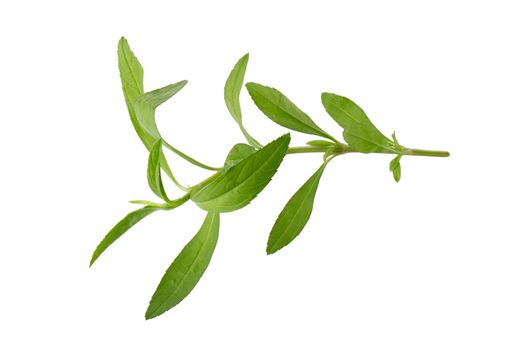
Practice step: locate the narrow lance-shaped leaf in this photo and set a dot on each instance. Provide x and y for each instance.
(120, 228)
(154, 173)
(295, 214)
(132, 78)
(395, 168)
(130, 220)
(187, 269)
(232, 92)
(235, 187)
(359, 132)
(282, 111)
(232, 88)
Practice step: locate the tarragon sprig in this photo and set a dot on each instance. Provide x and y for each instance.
(246, 171)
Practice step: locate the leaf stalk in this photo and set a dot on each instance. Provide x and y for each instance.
(188, 158)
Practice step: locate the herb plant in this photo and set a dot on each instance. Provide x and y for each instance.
(247, 169)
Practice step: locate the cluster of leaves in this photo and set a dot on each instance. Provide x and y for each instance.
(247, 170)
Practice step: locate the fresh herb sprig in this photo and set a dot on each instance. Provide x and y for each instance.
(246, 171)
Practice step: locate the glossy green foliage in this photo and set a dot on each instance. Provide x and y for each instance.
(120, 228)
(237, 186)
(359, 132)
(282, 111)
(295, 215)
(187, 268)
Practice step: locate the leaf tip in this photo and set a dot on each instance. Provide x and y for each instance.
(123, 43)
(270, 250)
(149, 315)
(152, 312)
(93, 259)
(325, 95)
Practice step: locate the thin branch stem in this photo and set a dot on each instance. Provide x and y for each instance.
(171, 205)
(188, 158)
(335, 150)
(427, 153)
(307, 149)
(342, 148)
(250, 138)
(175, 181)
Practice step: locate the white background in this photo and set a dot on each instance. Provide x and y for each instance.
(434, 262)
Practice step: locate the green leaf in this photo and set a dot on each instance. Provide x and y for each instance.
(238, 152)
(235, 187)
(146, 105)
(360, 134)
(295, 214)
(154, 173)
(282, 111)
(131, 219)
(120, 228)
(187, 269)
(132, 78)
(232, 88)
(395, 168)
(232, 92)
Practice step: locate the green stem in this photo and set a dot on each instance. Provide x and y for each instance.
(204, 182)
(306, 149)
(337, 149)
(249, 138)
(427, 153)
(342, 148)
(188, 158)
(171, 205)
(172, 178)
